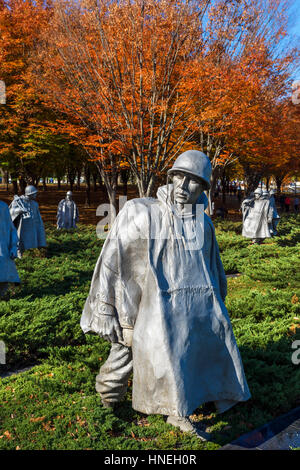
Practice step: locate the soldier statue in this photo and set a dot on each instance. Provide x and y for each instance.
(8, 249)
(67, 213)
(159, 299)
(25, 214)
(276, 216)
(258, 216)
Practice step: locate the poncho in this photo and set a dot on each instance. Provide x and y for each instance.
(184, 350)
(27, 219)
(258, 215)
(8, 243)
(275, 215)
(67, 214)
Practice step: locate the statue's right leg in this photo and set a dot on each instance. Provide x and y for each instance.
(112, 380)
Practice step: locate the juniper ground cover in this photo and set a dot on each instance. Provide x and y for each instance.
(54, 405)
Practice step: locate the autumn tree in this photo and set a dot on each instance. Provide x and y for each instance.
(120, 69)
(29, 148)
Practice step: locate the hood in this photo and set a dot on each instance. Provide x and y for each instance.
(164, 195)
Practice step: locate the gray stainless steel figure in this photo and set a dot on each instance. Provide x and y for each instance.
(161, 304)
(276, 217)
(8, 249)
(25, 214)
(258, 217)
(67, 213)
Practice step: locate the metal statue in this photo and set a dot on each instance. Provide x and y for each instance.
(159, 299)
(259, 216)
(67, 213)
(8, 249)
(25, 214)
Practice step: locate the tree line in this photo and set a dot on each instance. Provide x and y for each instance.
(114, 87)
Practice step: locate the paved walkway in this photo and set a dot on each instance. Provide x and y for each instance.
(281, 434)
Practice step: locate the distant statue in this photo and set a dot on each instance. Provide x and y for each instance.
(258, 216)
(67, 213)
(8, 249)
(157, 295)
(25, 214)
(276, 216)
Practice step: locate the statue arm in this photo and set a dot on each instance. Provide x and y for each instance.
(14, 239)
(113, 301)
(16, 209)
(106, 324)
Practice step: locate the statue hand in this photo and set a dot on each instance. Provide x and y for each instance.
(108, 327)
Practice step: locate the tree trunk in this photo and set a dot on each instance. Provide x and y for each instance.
(22, 184)
(124, 179)
(78, 178)
(279, 180)
(223, 182)
(87, 175)
(44, 185)
(252, 179)
(71, 178)
(58, 182)
(95, 187)
(7, 180)
(14, 181)
(111, 188)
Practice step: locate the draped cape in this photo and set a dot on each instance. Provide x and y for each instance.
(258, 216)
(172, 294)
(67, 214)
(27, 219)
(8, 244)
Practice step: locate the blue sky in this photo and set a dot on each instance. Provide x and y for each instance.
(294, 27)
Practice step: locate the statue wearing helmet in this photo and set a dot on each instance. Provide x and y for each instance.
(67, 213)
(25, 214)
(260, 217)
(8, 249)
(157, 295)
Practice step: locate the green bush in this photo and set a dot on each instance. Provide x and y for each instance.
(54, 405)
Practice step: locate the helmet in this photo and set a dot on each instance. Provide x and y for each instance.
(29, 190)
(194, 163)
(265, 192)
(69, 193)
(258, 191)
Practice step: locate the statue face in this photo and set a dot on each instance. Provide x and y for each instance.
(257, 195)
(187, 188)
(69, 197)
(32, 196)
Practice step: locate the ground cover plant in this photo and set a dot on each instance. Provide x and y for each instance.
(54, 404)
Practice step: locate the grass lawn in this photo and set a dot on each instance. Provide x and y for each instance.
(54, 405)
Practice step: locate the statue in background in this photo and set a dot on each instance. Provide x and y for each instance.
(8, 249)
(25, 214)
(258, 215)
(276, 217)
(160, 301)
(67, 213)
